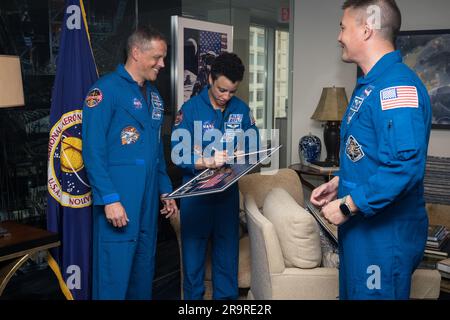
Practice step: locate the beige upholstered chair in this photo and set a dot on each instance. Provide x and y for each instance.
(275, 277)
(271, 278)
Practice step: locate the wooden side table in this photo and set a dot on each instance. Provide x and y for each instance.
(306, 170)
(22, 242)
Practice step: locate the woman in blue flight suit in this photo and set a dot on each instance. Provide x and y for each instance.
(123, 154)
(216, 216)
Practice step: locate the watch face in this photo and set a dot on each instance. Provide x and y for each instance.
(345, 209)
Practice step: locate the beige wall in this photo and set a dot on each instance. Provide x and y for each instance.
(317, 63)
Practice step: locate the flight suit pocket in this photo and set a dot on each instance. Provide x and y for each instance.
(401, 137)
(115, 263)
(129, 181)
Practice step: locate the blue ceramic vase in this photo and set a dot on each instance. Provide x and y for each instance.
(309, 148)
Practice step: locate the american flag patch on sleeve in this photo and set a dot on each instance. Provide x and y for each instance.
(399, 97)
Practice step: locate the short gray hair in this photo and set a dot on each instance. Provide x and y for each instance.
(142, 36)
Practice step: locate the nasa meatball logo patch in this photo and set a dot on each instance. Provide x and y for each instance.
(137, 104)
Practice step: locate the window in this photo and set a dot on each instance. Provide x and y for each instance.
(259, 113)
(281, 73)
(257, 63)
(261, 61)
(260, 95)
(260, 77)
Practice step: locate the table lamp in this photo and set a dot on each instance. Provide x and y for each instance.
(331, 108)
(11, 88)
(11, 95)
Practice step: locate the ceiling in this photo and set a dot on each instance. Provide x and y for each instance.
(260, 11)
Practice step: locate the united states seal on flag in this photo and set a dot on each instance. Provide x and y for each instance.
(399, 97)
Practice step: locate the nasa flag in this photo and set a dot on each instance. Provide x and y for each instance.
(69, 194)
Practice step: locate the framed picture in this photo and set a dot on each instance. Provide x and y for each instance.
(217, 180)
(196, 44)
(428, 53)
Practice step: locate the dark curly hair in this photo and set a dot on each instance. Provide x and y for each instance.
(229, 65)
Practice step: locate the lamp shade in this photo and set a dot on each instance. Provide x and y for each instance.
(11, 88)
(332, 105)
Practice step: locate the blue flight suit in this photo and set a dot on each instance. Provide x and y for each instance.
(384, 142)
(123, 155)
(214, 216)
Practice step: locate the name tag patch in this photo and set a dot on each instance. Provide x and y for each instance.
(357, 102)
(156, 101)
(235, 118)
(156, 114)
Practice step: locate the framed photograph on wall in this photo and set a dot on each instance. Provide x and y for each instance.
(196, 43)
(427, 52)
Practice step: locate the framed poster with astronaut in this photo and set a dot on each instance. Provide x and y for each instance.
(217, 180)
(196, 43)
(427, 52)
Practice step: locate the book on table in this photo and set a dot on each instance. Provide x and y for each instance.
(431, 252)
(436, 232)
(323, 166)
(443, 265)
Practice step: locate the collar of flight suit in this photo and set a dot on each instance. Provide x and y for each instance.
(386, 62)
(142, 117)
(205, 97)
(380, 67)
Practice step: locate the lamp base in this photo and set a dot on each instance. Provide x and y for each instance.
(331, 138)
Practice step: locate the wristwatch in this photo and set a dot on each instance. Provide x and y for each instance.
(345, 208)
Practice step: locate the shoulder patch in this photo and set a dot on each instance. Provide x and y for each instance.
(399, 97)
(179, 118)
(94, 97)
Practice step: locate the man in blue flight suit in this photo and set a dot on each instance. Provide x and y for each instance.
(380, 208)
(224, 119)
(123, 154)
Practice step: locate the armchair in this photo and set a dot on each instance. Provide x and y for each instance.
(271, 277)
(274, 277)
